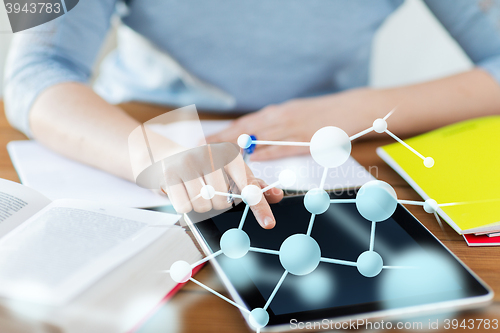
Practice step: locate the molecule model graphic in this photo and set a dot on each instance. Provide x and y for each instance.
(300, 254)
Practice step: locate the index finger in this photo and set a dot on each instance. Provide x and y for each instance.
(243, 176)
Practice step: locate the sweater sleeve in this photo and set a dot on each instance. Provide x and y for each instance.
(62, 50)
(469, 23)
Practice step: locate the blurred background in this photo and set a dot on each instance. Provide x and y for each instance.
(410, 47)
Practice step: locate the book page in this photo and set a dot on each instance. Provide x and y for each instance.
(69, 245)
(17, 204)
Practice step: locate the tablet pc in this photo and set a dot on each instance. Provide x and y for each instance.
(420, 274)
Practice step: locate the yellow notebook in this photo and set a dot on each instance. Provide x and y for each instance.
(466, 169)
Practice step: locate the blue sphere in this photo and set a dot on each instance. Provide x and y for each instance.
(300, 254)
(235, 243)
(252, 146)
(369, 263)
(259, 318)
(376, 201)
(317, 201)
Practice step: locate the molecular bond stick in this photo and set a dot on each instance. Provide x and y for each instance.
(300, 254)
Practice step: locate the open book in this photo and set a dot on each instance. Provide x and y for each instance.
(83, 266)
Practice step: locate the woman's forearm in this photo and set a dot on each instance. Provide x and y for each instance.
(433, 104)
(73, 120)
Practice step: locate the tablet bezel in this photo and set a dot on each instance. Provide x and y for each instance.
(477, 292)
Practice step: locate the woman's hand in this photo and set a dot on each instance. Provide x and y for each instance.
(187, 172)
(298, 119)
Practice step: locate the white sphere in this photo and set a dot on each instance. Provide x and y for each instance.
(259, 318)
(379, 125)
(369, 264)
(376, 201)
(430, 206)
(330, 147)
(300, 254)
(207, 192)
(317, 201)
(287, 178)
(252, 194)
(235, 243)
(244, 141)
(428, 162)
(180, 271)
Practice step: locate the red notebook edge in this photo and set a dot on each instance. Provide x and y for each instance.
(163, 301)
(481, 240)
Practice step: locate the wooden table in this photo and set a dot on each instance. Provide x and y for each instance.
(193, 309)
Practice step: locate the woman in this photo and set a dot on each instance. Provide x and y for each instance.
(301, 64)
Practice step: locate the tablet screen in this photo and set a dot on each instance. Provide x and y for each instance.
(418, 270)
